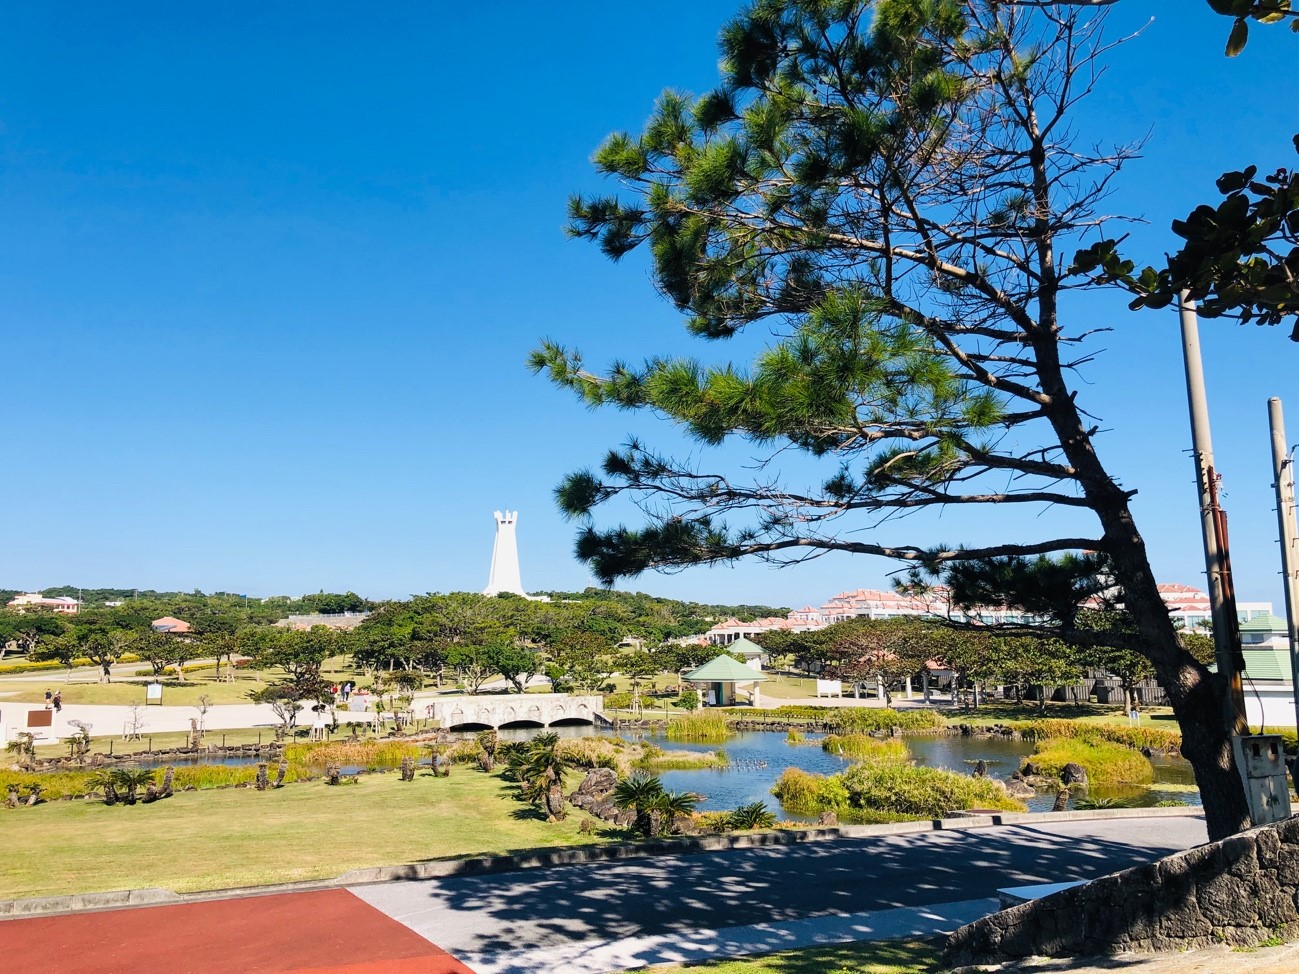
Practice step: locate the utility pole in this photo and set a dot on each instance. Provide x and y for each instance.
(1213, 526)
(1283, 470)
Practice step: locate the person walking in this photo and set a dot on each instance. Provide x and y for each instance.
(49, 699)
(57, 701)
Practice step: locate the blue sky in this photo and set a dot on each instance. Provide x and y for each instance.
(268, 280)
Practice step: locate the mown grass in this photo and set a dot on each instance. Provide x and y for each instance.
(215, 839)
(874, 957)
(125, 692)
(1106, 763)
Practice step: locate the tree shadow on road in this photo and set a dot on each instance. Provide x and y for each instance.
(684, 894)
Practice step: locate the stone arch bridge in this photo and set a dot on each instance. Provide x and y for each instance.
(511, 710)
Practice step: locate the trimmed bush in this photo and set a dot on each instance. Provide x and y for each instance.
(863, 747)
(53, 664)
(1106, 763)
(618, 701)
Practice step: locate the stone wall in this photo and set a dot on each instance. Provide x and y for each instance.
(1239, 891)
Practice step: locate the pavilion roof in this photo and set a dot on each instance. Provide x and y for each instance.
(724, 669)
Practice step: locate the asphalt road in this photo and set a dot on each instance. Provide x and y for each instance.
(550, 908)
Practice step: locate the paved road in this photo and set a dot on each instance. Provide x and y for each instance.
(481, 917)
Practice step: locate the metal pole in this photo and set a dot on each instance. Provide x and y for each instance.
(1283, 470)
(1222, 601)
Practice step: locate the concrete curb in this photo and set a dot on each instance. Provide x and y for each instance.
(79, 902)
(551, 858)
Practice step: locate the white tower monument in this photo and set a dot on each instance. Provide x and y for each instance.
(504, 576)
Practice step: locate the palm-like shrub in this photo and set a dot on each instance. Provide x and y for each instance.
(642, 794)
(753, 816)
(542, 771)
(121, 784)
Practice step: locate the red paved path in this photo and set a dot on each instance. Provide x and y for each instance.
(322, 932)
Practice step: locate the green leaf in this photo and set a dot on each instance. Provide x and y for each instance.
(1239, 35)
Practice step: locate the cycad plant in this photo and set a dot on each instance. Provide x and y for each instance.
(542, 773)
(121, 784)
(643, 794)
(752, 816)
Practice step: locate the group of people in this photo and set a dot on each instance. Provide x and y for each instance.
(54, 701)
(343, 690)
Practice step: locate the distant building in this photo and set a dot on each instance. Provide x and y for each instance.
(35, 600)
(170, 624)
(333, 620)
(1190, 606)
(1187, 605)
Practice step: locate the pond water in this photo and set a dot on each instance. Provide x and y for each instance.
(757, 759)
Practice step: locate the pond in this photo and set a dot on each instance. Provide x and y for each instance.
(757, 759)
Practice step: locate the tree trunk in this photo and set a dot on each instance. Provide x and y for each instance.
(1196, 696)
(104, 675)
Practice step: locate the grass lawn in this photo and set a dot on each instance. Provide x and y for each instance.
(123, 692)
(109, 744)
(879, 957)
(202, 840)
(998, 712)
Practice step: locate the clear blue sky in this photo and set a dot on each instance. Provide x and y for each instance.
(269, 273)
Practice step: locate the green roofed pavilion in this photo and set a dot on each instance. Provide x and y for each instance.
(721, 676)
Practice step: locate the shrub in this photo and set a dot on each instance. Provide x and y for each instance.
(923, 792)
(618, 701)
(752, 816)
(372, 755)
(795, 737)
(688, 700)
(51, 664)
(705, 726)
(53, 784)
(890, 792)
(863, 747)
(1155, 738)
(657, 759)
(807, 793)
(1105, 763)
(858, 720)
(594, 752)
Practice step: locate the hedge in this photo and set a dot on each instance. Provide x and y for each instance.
(53, 664)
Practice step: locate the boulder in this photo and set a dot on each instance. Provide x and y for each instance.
(1074, 774)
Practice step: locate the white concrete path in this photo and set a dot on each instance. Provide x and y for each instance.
(600, 957)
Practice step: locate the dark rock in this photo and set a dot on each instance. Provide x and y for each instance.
(1074, 774)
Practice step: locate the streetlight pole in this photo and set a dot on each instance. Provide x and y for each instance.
(1213, 527)
(1283, 470)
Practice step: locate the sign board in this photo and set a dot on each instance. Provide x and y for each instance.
(829, 688)
(40, 718)
(153, 693)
